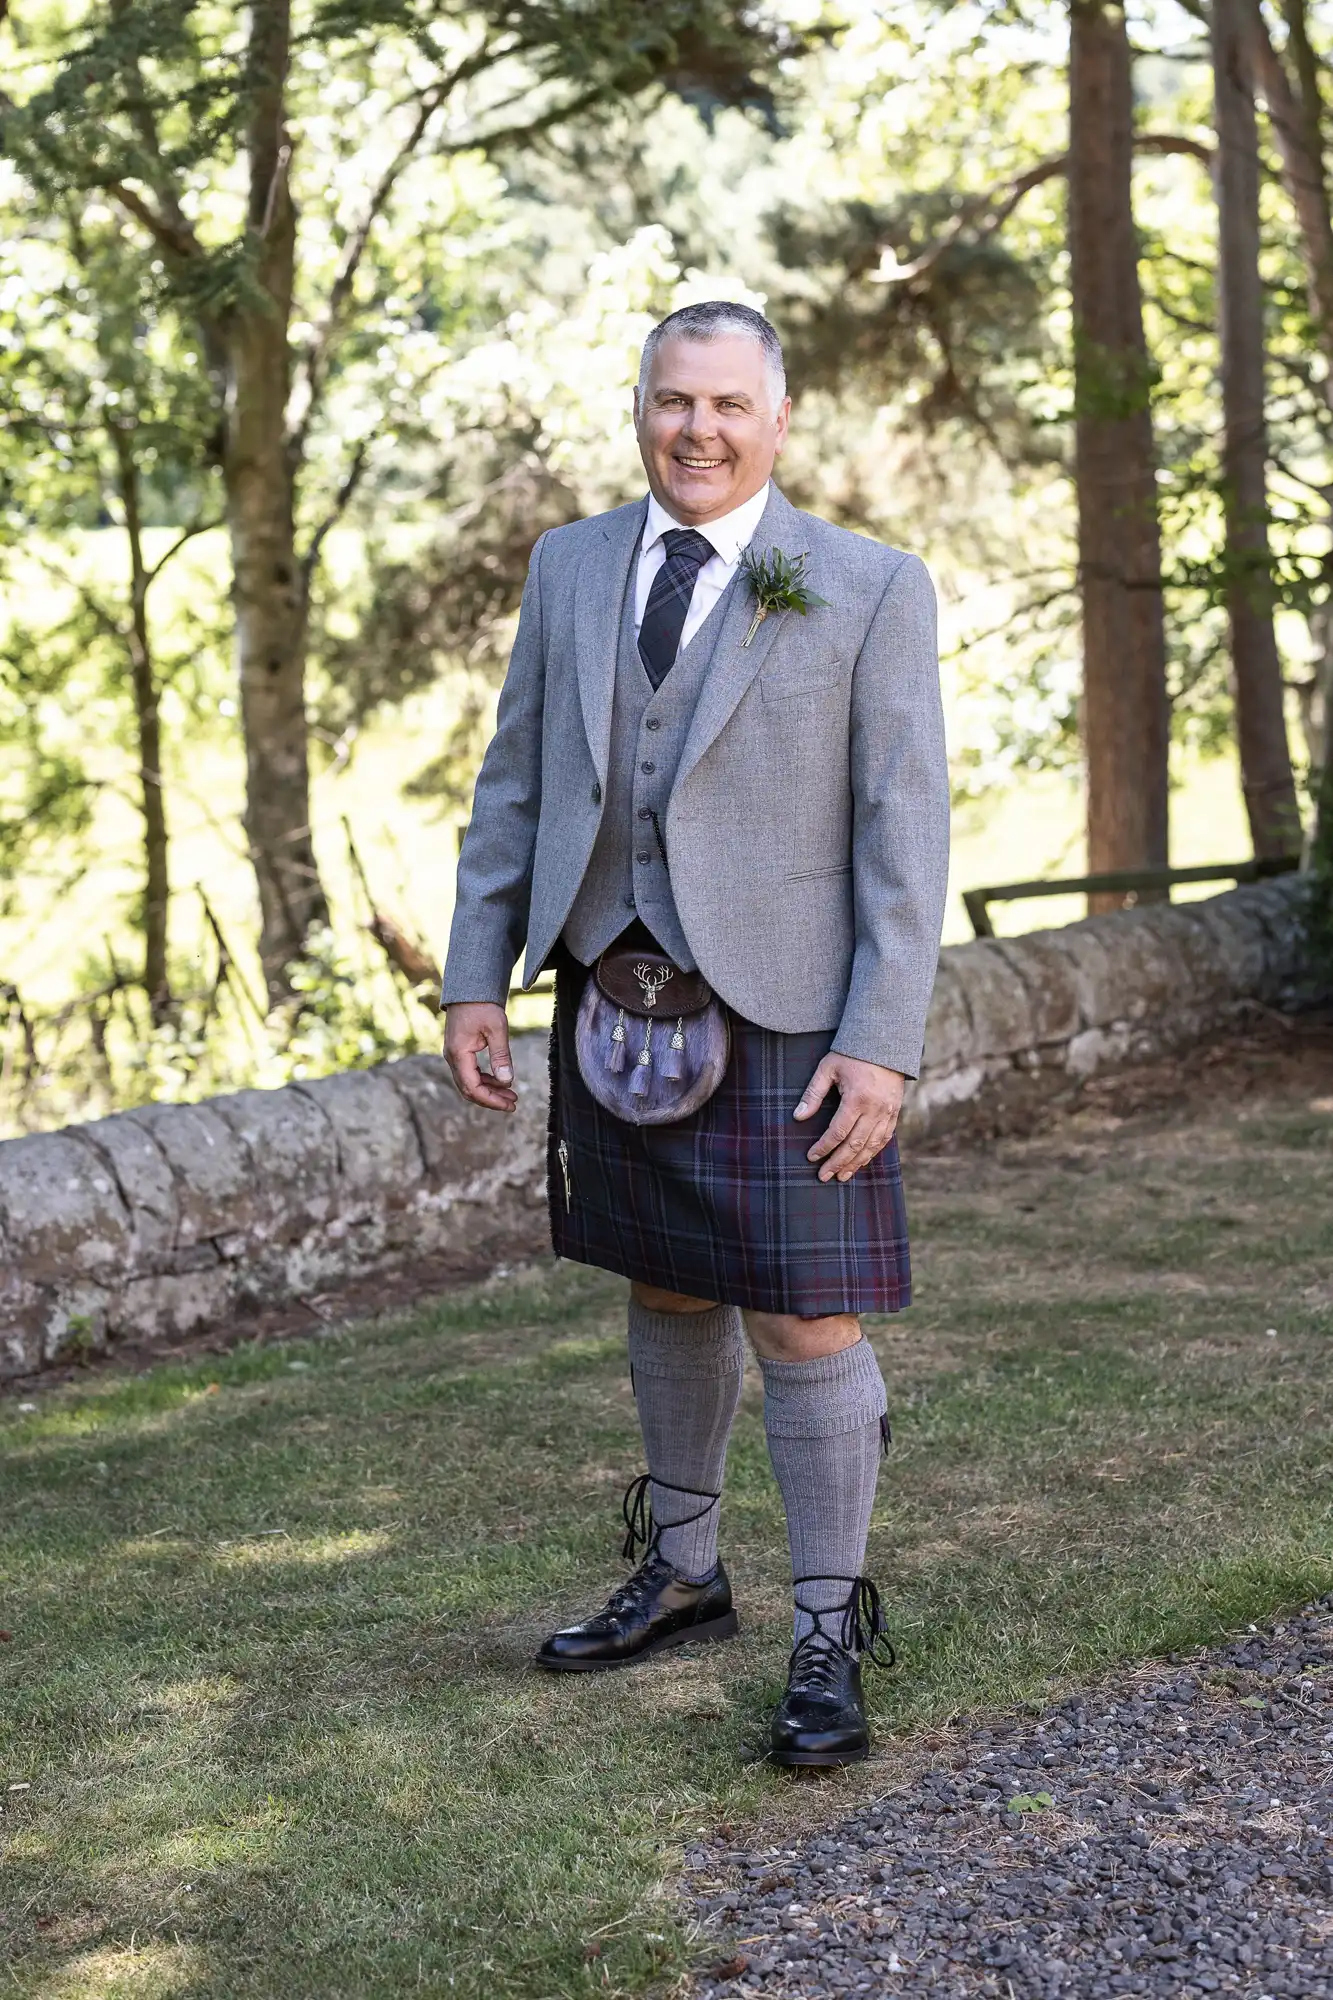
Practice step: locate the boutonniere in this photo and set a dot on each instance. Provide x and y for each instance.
(778, 583)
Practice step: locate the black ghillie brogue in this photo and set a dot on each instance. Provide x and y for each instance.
(655, 1608)
(821, 1720)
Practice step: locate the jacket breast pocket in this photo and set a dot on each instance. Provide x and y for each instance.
(790, 678)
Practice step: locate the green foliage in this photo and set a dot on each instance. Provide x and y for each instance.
(777, 582)
(335, 1022)
(103, 419)
(491, 204)
(965, 337)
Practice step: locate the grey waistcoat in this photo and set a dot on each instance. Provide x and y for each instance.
(626, 875)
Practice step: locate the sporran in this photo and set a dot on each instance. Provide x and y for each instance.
(653, 1041)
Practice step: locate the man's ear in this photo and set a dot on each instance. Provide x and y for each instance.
(784, 421)
(636, 406)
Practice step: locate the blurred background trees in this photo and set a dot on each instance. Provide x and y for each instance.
(313, 316)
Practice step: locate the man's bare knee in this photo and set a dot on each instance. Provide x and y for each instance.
(787, 1337)
(654, 1300)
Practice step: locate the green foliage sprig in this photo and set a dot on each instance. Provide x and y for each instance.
(778, 583)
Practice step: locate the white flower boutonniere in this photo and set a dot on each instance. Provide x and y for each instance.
(778, 585)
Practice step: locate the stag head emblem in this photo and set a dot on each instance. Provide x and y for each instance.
(652, 978)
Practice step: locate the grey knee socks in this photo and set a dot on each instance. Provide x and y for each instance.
(687, 1370)
(825, 1438)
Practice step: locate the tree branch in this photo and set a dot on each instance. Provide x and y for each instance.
(429, 101)
(145, 124)
(339, 504)
(277, 187)
(531, 128)
(181, 242)
(1175, 142)
(185, 535)
(319, 350)
(991, 210)
(92, 603)
(1181, 319)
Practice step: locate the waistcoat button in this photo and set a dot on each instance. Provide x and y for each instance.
(643, 859)
(654, 722)
(645, 812)
(647, 769)
(597, 795)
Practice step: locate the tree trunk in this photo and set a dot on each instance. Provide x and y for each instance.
(1316, 700)
(148, 720)
(1296, 119)
(268, 585)
(1261, 730)
(1125, 710)
(1296, 116)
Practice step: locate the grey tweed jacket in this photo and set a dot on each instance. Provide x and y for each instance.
(808, 825)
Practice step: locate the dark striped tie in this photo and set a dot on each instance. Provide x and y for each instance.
(669, 600)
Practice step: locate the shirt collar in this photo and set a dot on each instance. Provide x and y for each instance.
(729, 534)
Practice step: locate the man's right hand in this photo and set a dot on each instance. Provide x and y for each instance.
(469, 1027)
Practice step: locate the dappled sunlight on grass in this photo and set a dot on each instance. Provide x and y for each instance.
(150, 1970)
(282, 1548)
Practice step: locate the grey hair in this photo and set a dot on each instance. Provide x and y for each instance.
(706, 321)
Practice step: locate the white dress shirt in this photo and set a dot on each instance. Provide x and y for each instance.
(730, 536)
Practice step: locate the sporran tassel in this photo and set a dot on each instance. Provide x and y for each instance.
(616, 1060)
(673, 1065)
(643, 1069)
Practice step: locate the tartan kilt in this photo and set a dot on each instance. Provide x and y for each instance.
(724, 1205)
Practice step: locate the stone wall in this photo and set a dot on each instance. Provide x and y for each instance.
(174, 1217)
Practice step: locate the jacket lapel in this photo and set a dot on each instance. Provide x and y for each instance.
(600, 595)
(734, 664)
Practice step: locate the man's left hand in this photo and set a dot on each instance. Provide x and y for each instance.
(865, 1120)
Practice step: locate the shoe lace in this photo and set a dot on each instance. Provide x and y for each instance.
(627, 1599)
(862, 1632)
(641, 1530)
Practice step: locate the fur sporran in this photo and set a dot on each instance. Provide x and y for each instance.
(653, 1042)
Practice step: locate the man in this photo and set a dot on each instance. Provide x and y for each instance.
(768, 805)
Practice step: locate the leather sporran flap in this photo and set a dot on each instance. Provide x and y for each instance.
(649, 983)
(658, 1053)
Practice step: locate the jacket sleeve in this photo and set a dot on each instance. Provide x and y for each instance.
(900, 826)
(495, 862)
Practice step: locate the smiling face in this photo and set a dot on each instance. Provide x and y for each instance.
(707, 425)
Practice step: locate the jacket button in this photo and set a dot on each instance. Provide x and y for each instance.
(654, 722)
(597, 795)
(645, 812)
(643, 859)
(647, 769)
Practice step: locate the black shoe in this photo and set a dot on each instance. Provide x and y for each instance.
(653, 1610)
(821, 1720)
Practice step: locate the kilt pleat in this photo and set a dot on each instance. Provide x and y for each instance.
(724, 1205)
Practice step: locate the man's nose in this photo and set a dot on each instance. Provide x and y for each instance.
(700, 423)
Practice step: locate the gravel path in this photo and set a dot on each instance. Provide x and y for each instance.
(1186, 1849)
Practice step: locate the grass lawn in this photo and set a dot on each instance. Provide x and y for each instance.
(269, 1614)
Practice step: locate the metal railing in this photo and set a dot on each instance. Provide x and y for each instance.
(1118, 881)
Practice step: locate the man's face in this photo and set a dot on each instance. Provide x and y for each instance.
(707, 426)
